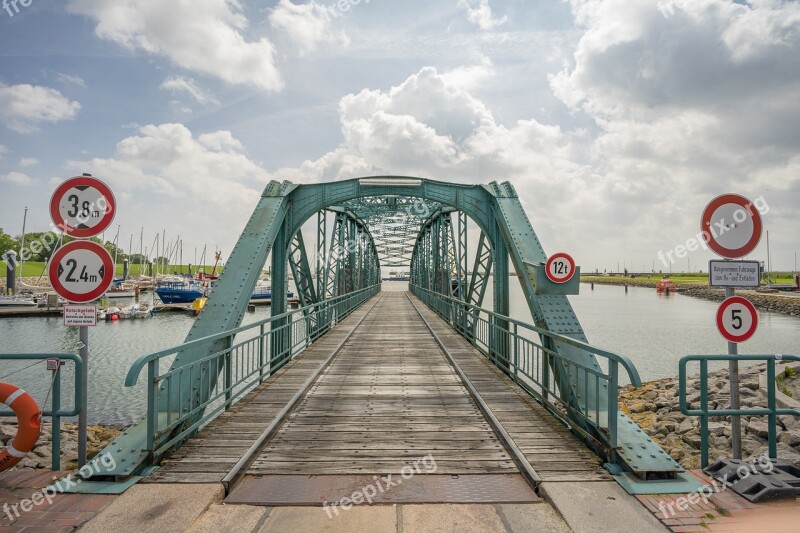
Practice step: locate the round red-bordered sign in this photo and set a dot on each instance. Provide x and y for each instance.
(560, 268)
(733, 225)
(81, 271)
(737, 319)
(82, 207)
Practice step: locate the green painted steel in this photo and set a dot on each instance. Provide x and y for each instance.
(169, 427)
(391, 221)
(771, 412)
(56, 411)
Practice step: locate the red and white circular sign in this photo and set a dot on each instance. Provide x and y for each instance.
(81, 271)
(737, 319)
(733, 225)
(560, 268)
(82, 207)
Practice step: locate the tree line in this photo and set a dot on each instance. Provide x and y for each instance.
(41, 251)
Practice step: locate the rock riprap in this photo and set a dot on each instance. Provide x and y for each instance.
(655, 407)
(41, 456)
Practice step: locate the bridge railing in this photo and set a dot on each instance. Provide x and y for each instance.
(56, 411)
(525, 352)
(184, 398)
(771, 411)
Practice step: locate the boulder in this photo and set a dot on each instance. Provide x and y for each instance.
(717, 428)
(759, 429)
(790, 438)
(686, 426)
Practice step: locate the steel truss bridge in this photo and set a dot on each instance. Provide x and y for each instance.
(438, 367)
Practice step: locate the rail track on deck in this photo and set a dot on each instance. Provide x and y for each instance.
(390, 391)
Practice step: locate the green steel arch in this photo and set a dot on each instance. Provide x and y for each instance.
(363, 207)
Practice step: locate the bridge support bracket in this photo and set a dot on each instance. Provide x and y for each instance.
(683, 483)
(542, 286)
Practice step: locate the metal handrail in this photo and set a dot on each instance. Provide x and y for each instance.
(55, 412)
(138, 365)
(771, 412)
(529, 363)
(184, 398)
(625, 361)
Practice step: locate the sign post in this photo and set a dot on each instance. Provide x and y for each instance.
(81, 271)
(733, 228)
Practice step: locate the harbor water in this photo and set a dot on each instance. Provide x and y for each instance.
(653, 331)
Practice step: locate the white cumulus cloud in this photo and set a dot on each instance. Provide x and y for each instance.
(195, 185)
(479, 12)
(206, 36)
(17, 178)
(427, 127)
(24, 107)
(183, 85)
(307, 25)
(692, 98)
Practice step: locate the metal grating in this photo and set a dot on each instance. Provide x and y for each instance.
(281, 490)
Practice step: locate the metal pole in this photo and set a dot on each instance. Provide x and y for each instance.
(733, 379)
(22, 245)
(84, 414)
(56, 429)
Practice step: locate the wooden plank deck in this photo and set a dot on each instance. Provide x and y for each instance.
(388, 398)
(209, 455)
(551, 449)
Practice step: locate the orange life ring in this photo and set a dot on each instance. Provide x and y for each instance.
(28, 424)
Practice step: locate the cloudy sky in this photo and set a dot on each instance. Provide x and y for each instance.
(616, 120)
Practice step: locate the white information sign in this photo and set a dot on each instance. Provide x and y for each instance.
(746, 274)
(80, 315)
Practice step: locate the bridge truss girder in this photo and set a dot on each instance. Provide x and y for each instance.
(405, 214)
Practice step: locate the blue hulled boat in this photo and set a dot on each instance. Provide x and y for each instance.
(179, 292)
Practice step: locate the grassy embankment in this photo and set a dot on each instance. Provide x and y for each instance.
(35, 269)
(685, 280)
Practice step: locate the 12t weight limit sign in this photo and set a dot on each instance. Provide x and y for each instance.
(737, 319)
(81, 271)
(560, 268)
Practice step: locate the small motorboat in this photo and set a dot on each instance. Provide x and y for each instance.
(112, 314)
(140, 310)
(263, 291)
(120, 293)
(666, 286)
(11, 301)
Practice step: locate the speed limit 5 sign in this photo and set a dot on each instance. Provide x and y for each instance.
(737, 319)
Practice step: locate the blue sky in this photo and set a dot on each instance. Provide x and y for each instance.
(617, 120)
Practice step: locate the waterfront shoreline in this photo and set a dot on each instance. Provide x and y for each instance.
(786, 305)
(655, 408)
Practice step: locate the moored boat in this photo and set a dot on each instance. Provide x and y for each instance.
(666, 285)
(263, 291)
(6, 302)
(179, 291)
